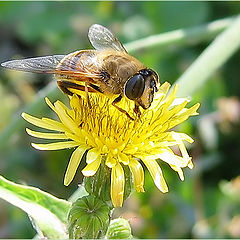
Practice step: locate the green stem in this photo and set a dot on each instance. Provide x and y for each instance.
(214, 56)
(181, 36)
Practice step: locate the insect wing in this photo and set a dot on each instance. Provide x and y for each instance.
(45, 64)
(101, 38)
(56, 64)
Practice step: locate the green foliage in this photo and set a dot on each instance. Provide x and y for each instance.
(199, 207)
(48, 213)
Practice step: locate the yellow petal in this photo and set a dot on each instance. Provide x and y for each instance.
(123, 158)
(46, 135)
(73, 164)
(50, 104)
(63, 116)
(161, 109)
(89, 138)
(46, 123)
(54, 124)
(190, 164)
(63, 106)
(92, 155)
(170, 97)
(176, 109)
(138, 174)
(179, 171)
(165, 87)
(184, 115)
(131, 149)
(99, 143)
(182, 136)
(156, 174)
(55, 146)
(74, 102)
(168, 156)
(92, 167)
(111, 161)
(177, 137)
(78, 92)
(117, 185)
(76, 137)
(178, 101)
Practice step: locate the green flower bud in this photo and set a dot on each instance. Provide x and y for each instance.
(88, 218)
(119, 229)
(99, 184)
(128, 182)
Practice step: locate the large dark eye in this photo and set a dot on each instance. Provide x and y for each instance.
(134, 87)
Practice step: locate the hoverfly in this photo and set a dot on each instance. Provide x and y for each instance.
(108, 69)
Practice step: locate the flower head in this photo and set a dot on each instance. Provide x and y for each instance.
(109, 135)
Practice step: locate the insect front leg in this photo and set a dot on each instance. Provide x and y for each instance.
(137, 110)
(117, 100)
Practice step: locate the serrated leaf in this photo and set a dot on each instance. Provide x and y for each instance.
(47, 213)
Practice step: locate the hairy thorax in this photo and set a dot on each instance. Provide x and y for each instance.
(107, 69)
(118, 68)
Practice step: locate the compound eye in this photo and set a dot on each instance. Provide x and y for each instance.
(134, 87)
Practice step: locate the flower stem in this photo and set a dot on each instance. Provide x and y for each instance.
(214, 56)
(181, 36)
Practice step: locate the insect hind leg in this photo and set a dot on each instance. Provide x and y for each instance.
(117, 100)
(66, 87)
(69, 87)
(63, 85)
(87, 96)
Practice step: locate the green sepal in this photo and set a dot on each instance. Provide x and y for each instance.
(128, 182)
(99, 184)
(119, 229)
(88, 218)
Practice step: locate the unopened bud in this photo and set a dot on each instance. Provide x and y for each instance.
(99, 184)
(119, 229)
(88, 218)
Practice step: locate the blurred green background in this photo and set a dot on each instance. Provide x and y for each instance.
(207, 203)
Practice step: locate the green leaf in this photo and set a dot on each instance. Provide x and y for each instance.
(181, 37)
(47, 213)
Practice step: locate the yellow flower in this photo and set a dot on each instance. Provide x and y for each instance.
(109, 135)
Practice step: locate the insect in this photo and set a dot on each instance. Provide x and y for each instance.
(108, 69)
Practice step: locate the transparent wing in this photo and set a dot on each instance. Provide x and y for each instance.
(101, 38)
(57, 65)
(45, 64)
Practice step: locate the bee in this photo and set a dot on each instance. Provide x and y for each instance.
(108, 69)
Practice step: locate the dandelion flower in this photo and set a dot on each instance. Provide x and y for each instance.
(108, 135)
